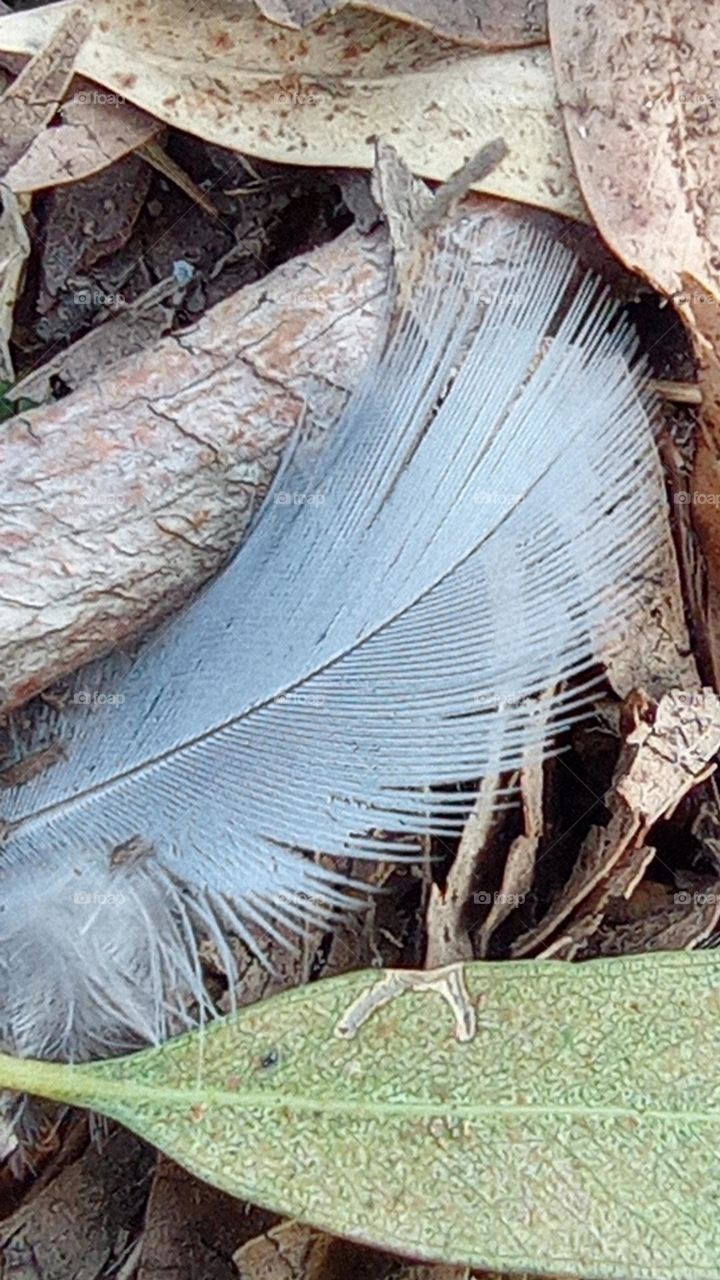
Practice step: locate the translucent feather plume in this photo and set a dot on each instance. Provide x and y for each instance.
(470, 529)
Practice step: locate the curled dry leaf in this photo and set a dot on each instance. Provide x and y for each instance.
(14, 251)
(641, 114)
(321, 96)
(668, 751)
(93, 134)
(490, 24)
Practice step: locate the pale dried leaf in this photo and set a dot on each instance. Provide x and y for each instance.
(492, 24)
(34, 96)
(641, 115)
(355, 77)
(94, 133)
(14, 251)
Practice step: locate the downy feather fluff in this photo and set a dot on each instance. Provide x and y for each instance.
(454, 547)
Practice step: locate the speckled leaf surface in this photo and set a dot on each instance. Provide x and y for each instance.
(576, 1132)
(321, 96)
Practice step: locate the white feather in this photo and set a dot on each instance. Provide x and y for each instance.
(456, 547)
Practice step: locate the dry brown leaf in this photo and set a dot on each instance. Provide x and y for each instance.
(667, 752)
(519, 869)
(354, 78)
(14, 251)
(491, 24)
(35, 94)
(638, 89)
(94, 134)
(448, 940)
(191, 1229)
(288, 1251)
(135, 328)
(659, 919)
(78, 1224)
(83, 224)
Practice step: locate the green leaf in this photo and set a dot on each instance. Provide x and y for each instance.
(574, 1128)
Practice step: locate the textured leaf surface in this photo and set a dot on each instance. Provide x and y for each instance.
(321, 96)
(576, 1131)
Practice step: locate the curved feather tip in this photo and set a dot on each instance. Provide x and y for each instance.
(467, 534)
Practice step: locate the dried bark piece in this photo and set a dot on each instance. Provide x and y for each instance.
(667, 752)
(121, 498)
(448, 939)
(519, 868)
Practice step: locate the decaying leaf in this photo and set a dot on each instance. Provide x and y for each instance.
(93, 134)
(491, 24)
(190, 1230)
(448, 939)
(668, 751)
(288, 1251)
(49, 1237)
(484, 1150)
(355, 77)
(14, 251)
(34, 96)
(662, 919)
(641, 113)
(519, 867)
(85, 222)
